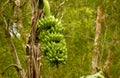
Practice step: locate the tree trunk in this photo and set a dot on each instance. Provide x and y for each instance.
(13, 50)
(33, 47)
(96, 44)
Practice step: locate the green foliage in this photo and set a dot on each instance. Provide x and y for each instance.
(5, 57)
(53, 43)
(8, 11)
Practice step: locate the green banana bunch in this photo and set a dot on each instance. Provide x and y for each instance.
(52, 40)
(51, 24)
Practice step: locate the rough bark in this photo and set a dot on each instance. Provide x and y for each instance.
(96, 43)
(33, 47)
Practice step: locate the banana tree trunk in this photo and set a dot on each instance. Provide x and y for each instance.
(33, 47)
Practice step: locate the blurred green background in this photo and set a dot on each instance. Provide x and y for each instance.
(79, 19)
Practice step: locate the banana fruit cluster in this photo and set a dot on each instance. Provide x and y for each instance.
(52, 40)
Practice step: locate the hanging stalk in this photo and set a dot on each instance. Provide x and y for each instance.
(46, 7)
(96, 51)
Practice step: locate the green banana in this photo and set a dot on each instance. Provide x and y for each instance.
(51, 38)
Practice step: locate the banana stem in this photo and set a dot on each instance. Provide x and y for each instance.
(46, 7)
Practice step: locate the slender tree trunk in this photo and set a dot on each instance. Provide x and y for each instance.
(13, 50)
(97, 35)
(33, 47)
(11, 44)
